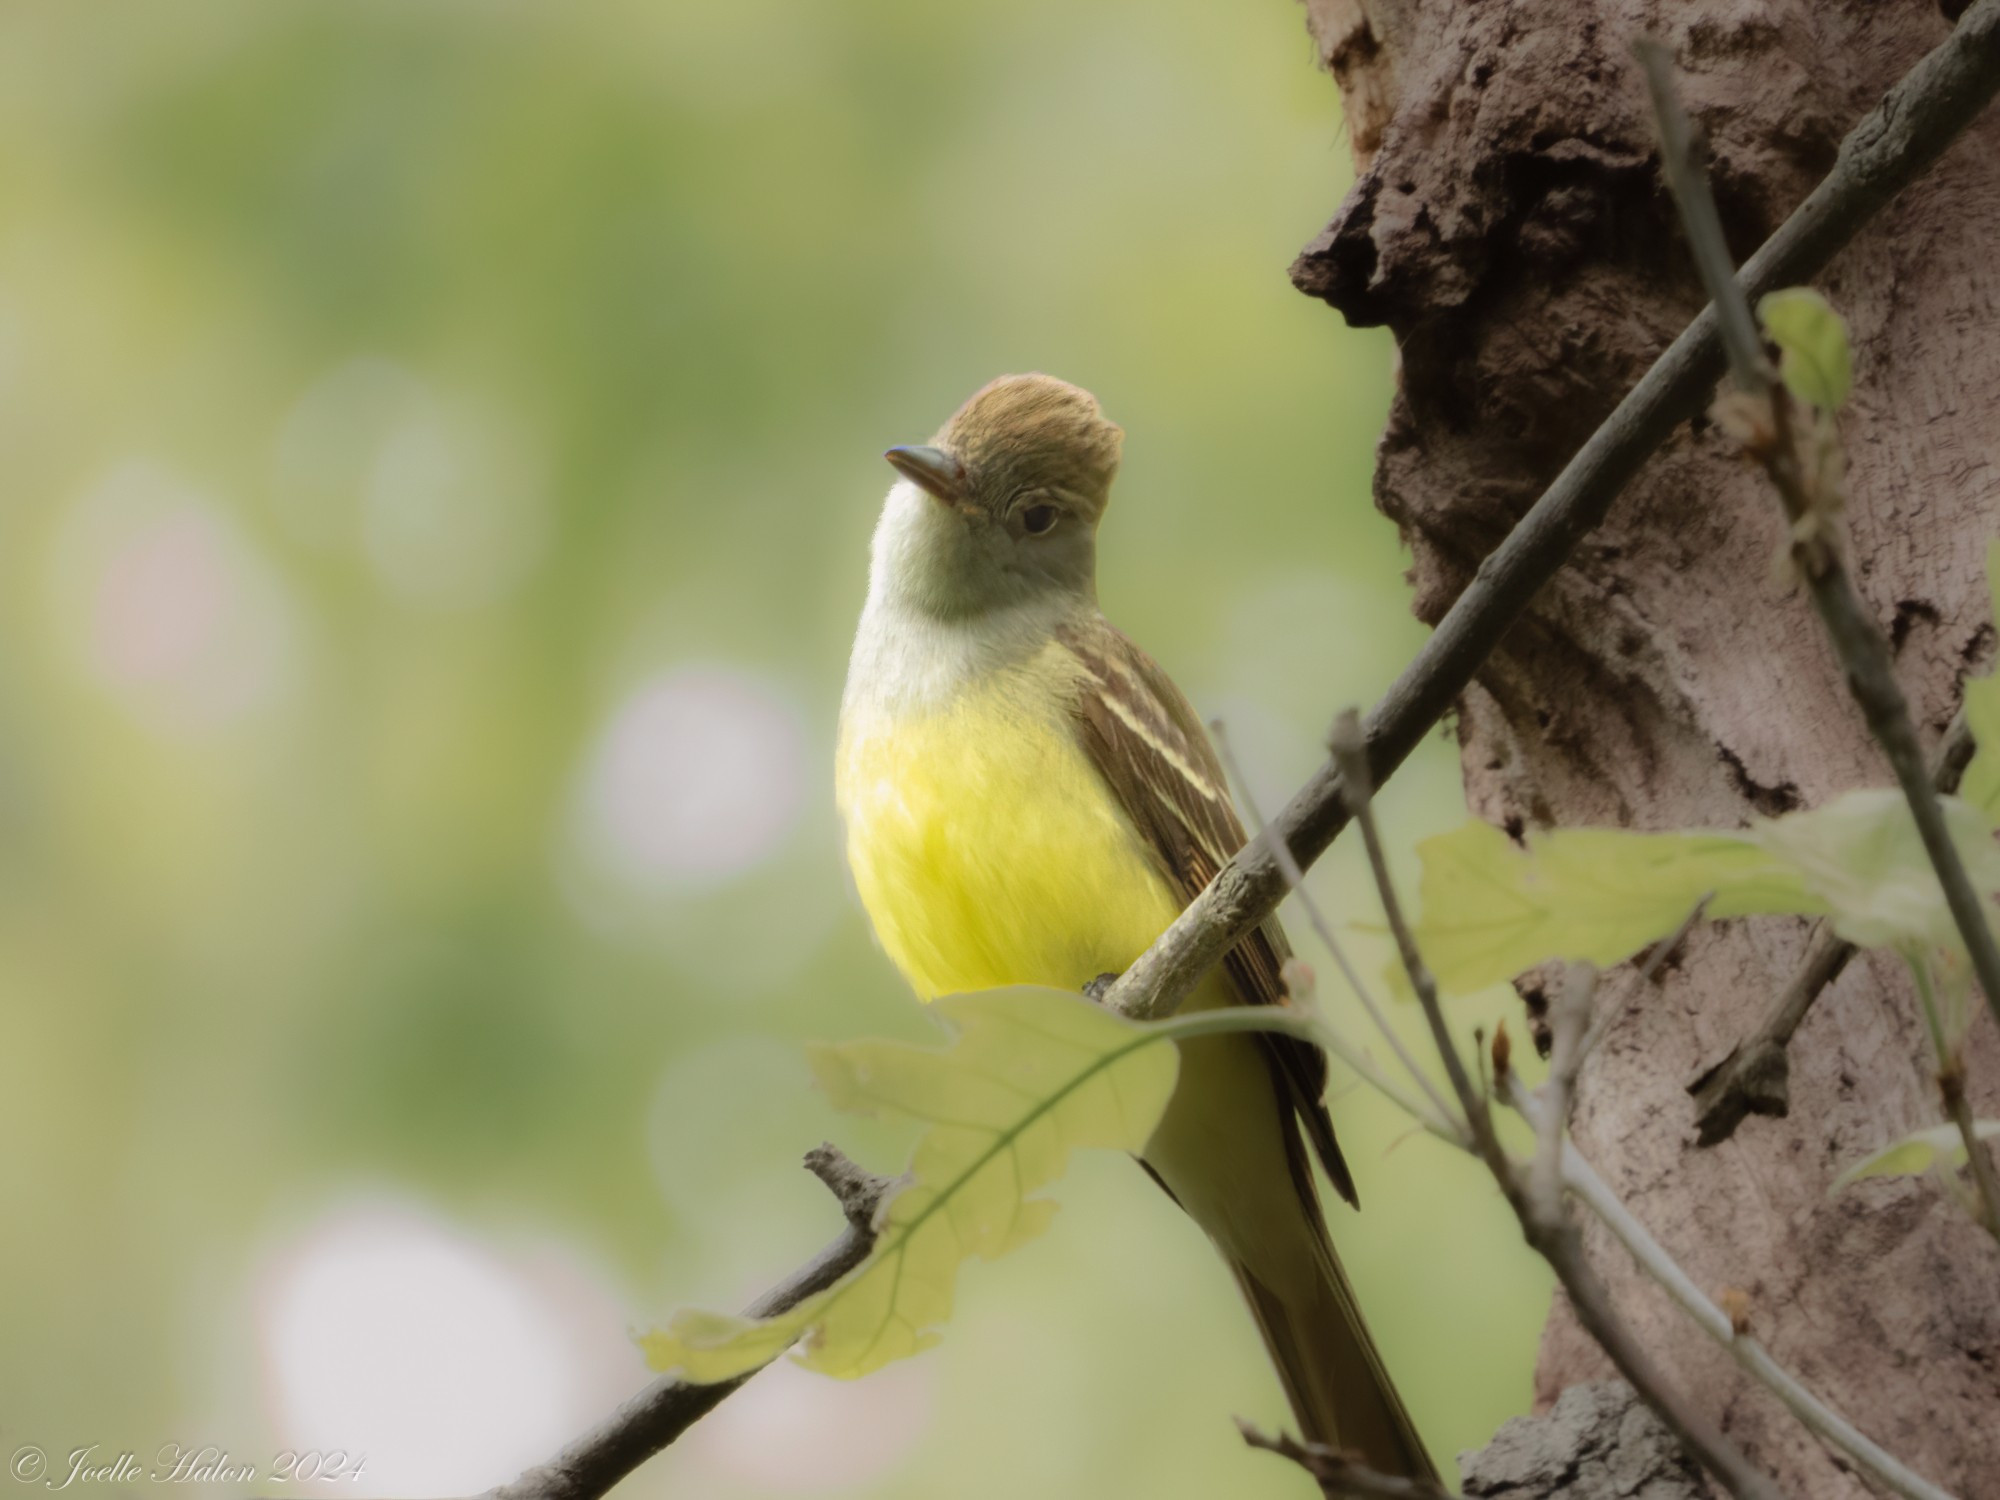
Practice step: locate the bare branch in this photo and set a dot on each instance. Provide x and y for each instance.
(1755, 1078)
(651, 1420)
(1881, 156)
(1546, 1224)
(1340, 1477)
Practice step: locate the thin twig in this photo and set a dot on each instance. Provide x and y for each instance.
(1870, 675)
(1582, 1180)
(1352, 758)
(1857, 640)
(1305, 1023)
(1755, 1078)
(1296, 879)
(1870, 669)
(1330, 1038)
(1882, 155)
(1340, 1477)
(1951, 1093)
(1547, 1226)
(651, 1420)
(1951, 1088)
(1569, 1025)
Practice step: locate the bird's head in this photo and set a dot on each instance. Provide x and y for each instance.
(1001, 507)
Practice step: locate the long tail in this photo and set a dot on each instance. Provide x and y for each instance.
(1229, 1152)
(1332, 1375)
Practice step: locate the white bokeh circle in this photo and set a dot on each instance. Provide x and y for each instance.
(386, 1332)
(698, 775)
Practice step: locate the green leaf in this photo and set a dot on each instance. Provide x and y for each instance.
(1917, 1152)
(1981, 783)
(1492, 909)
(1815, 360)
(1862, 857)
(1029, 1076)
(1993, 577)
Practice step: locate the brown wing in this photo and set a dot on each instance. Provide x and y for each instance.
(1151, 749)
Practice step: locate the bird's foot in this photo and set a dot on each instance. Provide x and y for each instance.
(1099, 987)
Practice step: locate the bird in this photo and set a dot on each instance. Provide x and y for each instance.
(1029, 800)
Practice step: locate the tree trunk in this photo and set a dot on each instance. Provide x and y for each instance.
(1509, 224)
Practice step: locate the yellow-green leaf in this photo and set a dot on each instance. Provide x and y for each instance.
(1980, 785)
(1029, 1076)
(1814, 357)
(1862, 858)
(1492, 909)
(1993, 577)
(1917, 1152)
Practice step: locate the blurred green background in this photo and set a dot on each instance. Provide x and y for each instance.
(438, 443)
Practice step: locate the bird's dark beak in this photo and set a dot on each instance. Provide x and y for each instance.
(933, 469)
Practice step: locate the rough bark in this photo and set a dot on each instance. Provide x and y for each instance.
(1509, 224)
(1599, 1442)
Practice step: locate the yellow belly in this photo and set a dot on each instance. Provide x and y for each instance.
(986, 848)
(988, 852)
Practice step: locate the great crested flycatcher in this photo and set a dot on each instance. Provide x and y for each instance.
(1030, 800)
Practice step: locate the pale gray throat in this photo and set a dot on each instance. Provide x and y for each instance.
(907, 658)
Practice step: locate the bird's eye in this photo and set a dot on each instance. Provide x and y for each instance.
(1037, 519)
